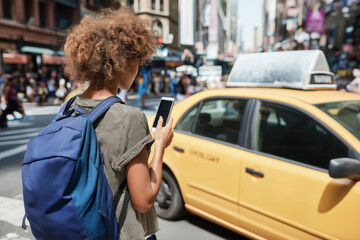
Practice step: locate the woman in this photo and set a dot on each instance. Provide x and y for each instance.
(107, 50)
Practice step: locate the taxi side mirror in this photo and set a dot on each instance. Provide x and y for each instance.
(345, 168)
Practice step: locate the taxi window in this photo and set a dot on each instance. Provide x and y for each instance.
(221, 119)
(347, 113)
(289, 133)
(185, 124)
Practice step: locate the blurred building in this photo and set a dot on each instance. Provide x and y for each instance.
(342, 36)
(293, 24)
(239, 36)
(332, 26)
(231, 27)
(270, 9)
(258, 39)
(32, 32)
(91, 6)
(217, 28)
(162, 15)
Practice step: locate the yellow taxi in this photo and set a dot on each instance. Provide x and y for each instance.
(275, 155)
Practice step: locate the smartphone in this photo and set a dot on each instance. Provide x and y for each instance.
(164, 110)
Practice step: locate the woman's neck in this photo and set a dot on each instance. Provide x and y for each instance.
(98, 93)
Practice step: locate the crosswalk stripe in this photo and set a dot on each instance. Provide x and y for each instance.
(28, 130)
(21, 141)
(44, 110)
(21, 136)
(13, 151)
(19, 124)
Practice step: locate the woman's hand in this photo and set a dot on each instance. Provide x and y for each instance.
(164, 135)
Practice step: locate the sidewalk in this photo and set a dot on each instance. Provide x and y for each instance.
(11, 214)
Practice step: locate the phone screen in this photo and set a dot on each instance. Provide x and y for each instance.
(163, 111)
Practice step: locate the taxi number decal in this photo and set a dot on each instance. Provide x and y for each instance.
(205, 156)
(321, 79)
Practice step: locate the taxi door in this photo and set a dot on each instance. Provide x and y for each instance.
(286, 192)
(208, 160)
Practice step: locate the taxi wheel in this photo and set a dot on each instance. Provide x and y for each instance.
(169, 203)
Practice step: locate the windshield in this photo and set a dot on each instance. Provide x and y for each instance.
(347, 113)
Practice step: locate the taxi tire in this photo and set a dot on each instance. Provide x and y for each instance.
(176, 209)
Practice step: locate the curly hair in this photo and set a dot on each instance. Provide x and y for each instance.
(108, 42)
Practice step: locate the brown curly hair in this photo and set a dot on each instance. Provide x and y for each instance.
(108, 42)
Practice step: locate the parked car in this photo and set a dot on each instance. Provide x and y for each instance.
(276, 155)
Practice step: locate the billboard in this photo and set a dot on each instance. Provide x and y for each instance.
(315, 21)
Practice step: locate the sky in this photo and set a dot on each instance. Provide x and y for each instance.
(251, 15)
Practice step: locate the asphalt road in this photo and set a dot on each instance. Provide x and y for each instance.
(12, 148)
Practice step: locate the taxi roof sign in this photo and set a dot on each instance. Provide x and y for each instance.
(307, 69)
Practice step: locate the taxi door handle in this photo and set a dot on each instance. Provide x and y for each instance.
(179, 149)
(253, 172)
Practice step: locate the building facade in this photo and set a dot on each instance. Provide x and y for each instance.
(217, 28)
(162, 16)
(33, 31)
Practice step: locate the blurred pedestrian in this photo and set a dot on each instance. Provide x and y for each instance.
(156, 79)
(187, 57)
(51, 87)
(61, 92)
(184, 87)
(30, 91)
(144, 86)
(354, 85)
(181, 88)
(107, 50)
(42, 93)
(21, 89)
(11, 101)
(3, 81)
(173, 81)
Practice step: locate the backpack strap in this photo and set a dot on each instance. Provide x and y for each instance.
(123, 210)
(102, 108)
(65, 110)
(65, 107)
(92, 116)
(23, 225)
(125, 203)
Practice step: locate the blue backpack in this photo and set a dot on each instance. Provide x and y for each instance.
(66, 193)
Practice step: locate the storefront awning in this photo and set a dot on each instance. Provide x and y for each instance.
(37, 50)
(53, 60)
(69, 3)
(14, 58)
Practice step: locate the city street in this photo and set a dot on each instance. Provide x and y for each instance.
(267, 138)
(13, 142)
